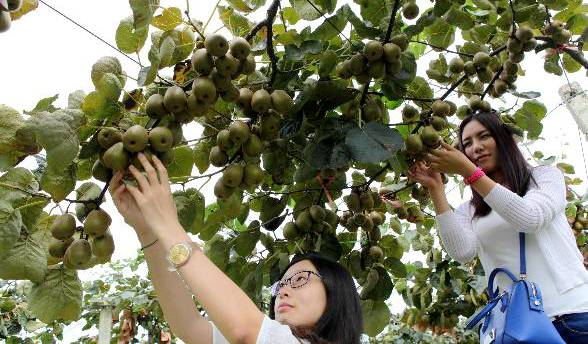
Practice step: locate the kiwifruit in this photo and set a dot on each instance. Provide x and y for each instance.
(290, 231)
(103, 246)
(233, 175)
(516, 57)
(377, 69)
(247, 66)
(553, 27)
(469, 68)
(100, 172)
(524, 34)
(5, 21)
(13, 5)
(481, 59)
(244, 100)
(175, 99)
(430, 136)
(410, 10)
(135, 139)
(204, 90)
(261, 101)
(456, 65)
(79, 252)
(414, 144)
(317, 213)
(58, 247)
(363, 77)
(484, 75)
(221, 190)
(392, 52)
(366, 200)
(377, 217)
(439, 123)
(409, 113)
(343, 70)
(240, 48)
(530, 44)
(222, 83)
(376, 254)
(463, 111)
(227, 65)
(161, 139)
(109, 136)
(561, 37)
(223, 140)
(154, 106)
(281, 101)
(97, 222)
(253, 146)
(304, 221)
(252, 174)
(202, 62)
(63, 226)
(230, 95)
(371, 111)
(357, 64)
(216, 45)
(513, 45)
(440, 108)
(500, 86)
(116, 157)
(373, 51)
(217, 157)
(401, 40)
(270, 127)
(238, 132)
(352, 201)
(196, 107)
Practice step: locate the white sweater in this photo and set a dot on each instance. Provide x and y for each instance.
(271, 332)
(549, 239)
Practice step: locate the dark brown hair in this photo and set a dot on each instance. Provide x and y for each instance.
(342, 321)
(510, 160)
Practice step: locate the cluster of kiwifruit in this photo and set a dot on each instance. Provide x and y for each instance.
(267, 107)
(410, 9)
(475, 103)
(79, 253)
(419, 143)
(376, 61)
(120, 149)
(5, 20)
(313, 219)
(440, 110)
(555, 29)
(236, 139)
(373, 109)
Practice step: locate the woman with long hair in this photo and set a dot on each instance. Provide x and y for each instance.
(509, 196)
(314, 300)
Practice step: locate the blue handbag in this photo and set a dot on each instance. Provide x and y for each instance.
(516, 315)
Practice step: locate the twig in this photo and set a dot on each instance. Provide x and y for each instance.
(268, 22)
(440, 48)
(492, 81)
(187, 12)
(391, 22)
(371, 180)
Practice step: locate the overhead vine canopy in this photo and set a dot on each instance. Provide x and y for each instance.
(310, 118)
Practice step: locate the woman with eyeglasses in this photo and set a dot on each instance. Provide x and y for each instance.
(314, 301)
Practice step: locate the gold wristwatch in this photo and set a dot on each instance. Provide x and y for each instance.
(179, 254)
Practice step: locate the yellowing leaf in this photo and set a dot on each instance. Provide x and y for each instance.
(168, 19)
(27, 6)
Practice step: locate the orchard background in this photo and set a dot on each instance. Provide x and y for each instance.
(341, 136)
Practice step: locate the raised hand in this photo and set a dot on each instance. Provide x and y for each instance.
(450, 160)
(125, 203)
(426, 176)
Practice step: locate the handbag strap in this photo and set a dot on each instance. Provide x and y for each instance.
(523, 267)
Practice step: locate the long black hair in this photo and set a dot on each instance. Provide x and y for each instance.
(515, 169)
(342, 321)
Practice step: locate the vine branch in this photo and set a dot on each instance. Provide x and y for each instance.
(268, 22)
(392, 20)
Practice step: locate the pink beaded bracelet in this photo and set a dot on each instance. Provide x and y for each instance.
(478, 173)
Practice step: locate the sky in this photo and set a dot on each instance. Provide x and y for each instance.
(44, 54)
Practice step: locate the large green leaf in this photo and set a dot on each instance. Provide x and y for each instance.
(128, 39)
(529, 117)
(305, 10)
(10, 152)
(58, 297)
(168, 19)
(376, 315)
(217, 251)
(181, 165)
(332, 26)
(440, 33)
(143, 12)
(383, 288)
(26, 260)
(245, 242)
(45, 104)
(235, 22)
(201, 155)
(17, 184)
(374, 142)
(59, 183)
(10, 226)
(190, 206)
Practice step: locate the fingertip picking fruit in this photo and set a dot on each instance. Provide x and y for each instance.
(135, 138)
(175, 99)
(108, 137)
(97, 222)
(216, 45)
(115, 157)
(63, 226)
(161, 139)
(154, 107)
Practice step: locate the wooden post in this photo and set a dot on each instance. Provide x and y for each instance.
(105, 325)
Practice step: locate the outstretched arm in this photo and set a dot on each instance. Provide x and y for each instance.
(232, 311)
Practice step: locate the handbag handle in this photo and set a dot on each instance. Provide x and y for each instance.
(523, 267)
(523, 272)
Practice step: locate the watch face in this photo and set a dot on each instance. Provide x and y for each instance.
(179, 253)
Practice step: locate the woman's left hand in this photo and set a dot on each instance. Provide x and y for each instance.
(448, 159)
(154, 196)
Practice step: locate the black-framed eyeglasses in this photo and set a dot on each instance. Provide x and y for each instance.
(297, 280)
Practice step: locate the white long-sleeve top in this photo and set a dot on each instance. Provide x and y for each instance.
(553, 258)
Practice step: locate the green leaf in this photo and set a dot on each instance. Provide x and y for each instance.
(376, 316)
(529, 117)
(566, 168)
(58, 297)
(440, 33)
(201, 153)
(181, 165)
(57, 133)
(305, 10)
(85, 192)
(75, 99)
(373, 142)
(26, 260)
(59, 183)
(570, 65)
(32, 209)
(332, 26)
(578, 23)
(526, 95)
(419, 88)
(330, 247)
(459, 18)
(45, 104)
(10, 226)
(184, 40)
(190, 207)
(236, 23)
(143, 12)
(396, 267)
(245, 242)
(168, 19)
(166, 51)
(290, 15)
(375, 11)
(17, 184)
(552, 65)
(217, 251)
(11, 150)
(383, 288)
(128, 39)
(96, 106)
(240, 5)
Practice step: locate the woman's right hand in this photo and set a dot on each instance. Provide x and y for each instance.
(126, 205)
(424, 175)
